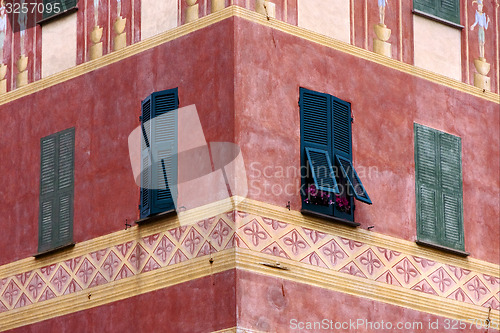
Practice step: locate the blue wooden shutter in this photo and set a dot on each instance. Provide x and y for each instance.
(164, 148)
(358, 190)
(322, 171)
(438, 182)
(56, 190)
(145, 207)
(342, 143)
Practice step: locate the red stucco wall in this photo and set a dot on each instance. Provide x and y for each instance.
(385, 104)
(270, 66)
(104, 107)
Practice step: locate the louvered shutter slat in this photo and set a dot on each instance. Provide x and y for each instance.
(145, 158)
(322, 171)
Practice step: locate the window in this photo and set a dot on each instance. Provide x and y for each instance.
(330, 181)
(55, 7)
(158, 152)
(56, 190)
(438, 184)
(448, 10)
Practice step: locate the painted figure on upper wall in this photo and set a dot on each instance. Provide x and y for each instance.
(381, 10)
(482, 21)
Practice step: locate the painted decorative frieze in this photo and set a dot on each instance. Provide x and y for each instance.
(262, 236)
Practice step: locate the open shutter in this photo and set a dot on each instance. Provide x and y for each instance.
(164, 149)
(358, 190)
(47, 192)
(427, 183)
(322, 171)
(145, 207)
(451, 183)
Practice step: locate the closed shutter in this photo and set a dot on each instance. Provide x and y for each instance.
(146, 181)
(342, 140)
(438, 181)
(451, 183)
(56, 190)
(54, 7)
(448, 10)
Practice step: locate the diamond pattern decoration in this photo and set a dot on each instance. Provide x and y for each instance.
(261, 234)
(60, 279)
(441, 280)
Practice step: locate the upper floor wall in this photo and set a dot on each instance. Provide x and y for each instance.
(466, 51)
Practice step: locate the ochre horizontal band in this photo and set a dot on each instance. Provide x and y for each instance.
(253, 237)
(253, 17)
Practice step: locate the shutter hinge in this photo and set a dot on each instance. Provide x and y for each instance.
(352, 119)
(139, 207)
(140, 118)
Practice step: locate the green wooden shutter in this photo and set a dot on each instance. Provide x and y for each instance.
(438, 182)
(56, 190)
(448, 10)
(451, 184)
(65, 186)
(47, 192)
(164, 149)
(322, 171)
(145, 207)
(62, 6)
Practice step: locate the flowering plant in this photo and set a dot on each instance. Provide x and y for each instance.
(317, 197)
(342, 204)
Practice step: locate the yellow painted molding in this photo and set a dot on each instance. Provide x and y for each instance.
(250, 261)
(327, 279)
(365, 236)
(118, 290)
(187, 218)
(237, 11)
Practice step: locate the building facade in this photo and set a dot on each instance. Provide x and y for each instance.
(335, 166)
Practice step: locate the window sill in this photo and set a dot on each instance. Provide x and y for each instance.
(156, 217)
(443, 248)
(58, 15)
(330, 218)
(437, 19)
(54, 250)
